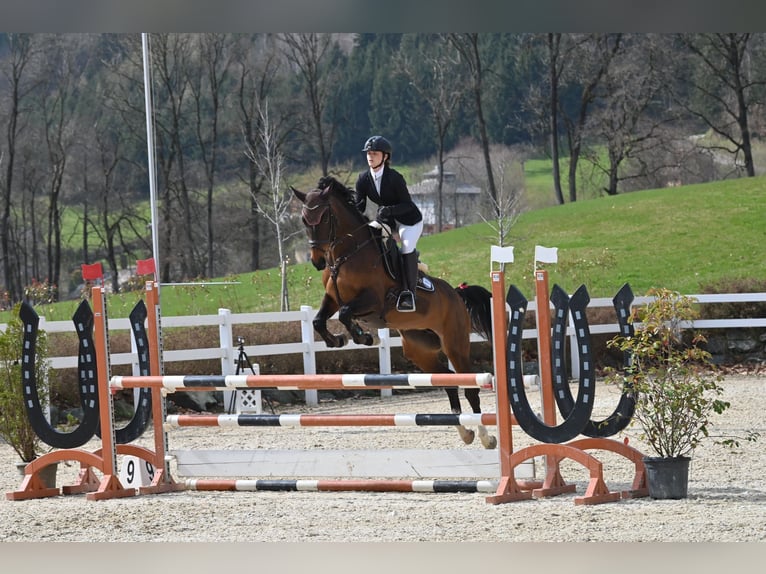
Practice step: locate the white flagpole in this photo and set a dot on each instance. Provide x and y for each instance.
(150, 148)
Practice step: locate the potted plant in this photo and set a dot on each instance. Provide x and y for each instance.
(15, 428)
(676, 386)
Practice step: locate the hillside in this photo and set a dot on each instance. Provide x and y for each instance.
(683, 238)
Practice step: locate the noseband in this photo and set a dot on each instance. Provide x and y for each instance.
(322, 213)
(313, 216)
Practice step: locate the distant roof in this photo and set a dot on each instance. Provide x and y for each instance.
(434, 173)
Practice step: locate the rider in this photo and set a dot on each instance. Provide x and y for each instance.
(386, 187)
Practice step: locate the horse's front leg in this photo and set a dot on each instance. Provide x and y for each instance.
(363, 304)
(326, 310)
(359, 335)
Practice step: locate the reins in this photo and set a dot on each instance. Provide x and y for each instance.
(332, 242)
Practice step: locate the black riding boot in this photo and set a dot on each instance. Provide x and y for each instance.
(406, 302)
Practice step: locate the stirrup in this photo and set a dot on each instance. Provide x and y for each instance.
(406, 302)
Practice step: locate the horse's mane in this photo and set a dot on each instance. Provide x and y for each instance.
(345, 193)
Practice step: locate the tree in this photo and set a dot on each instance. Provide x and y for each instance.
(629, 120)
(468, 46)
(269, 160)
(435, 75)
(505, 209)
(20, 85)
(554, 77)
(317, 59)
(726, 85)
(591, 57)
(212, 73)
(258, 73)
(57, 111)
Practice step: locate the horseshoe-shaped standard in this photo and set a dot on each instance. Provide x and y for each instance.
(143, 404)
(86, 365)
(528, 421)
(623, 413)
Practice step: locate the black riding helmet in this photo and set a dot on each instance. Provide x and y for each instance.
(377, 143)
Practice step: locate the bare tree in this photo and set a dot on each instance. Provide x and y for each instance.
(436, 78)
(554, 75)
(468, 46)
(114, 220)
(268, 158)
(257, 75)
(591, 56)
(315, 56)
(506, 207)
(20, 85)
(57, 107)
(170, 61)
(628, 119)
(727, 89)
(207, 86)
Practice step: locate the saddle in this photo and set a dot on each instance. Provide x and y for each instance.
(392, 256)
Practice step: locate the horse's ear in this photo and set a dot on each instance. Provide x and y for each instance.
(299, 194)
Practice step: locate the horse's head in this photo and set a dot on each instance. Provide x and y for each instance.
(318, 219)
(328, 213)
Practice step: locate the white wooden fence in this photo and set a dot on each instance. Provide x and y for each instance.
(226, 350)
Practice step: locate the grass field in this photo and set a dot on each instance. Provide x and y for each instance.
(682, 238)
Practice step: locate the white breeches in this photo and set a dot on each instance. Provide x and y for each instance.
(409, 235)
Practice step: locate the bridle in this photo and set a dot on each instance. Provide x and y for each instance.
(313, 217)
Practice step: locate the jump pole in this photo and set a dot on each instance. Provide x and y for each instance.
(436, 486)
(352, 420)
(173, 383)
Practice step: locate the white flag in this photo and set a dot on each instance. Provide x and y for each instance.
(502, 254)
(546, 254)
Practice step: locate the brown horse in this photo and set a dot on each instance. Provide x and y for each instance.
(360, 286)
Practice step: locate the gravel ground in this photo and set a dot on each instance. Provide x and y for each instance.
(726, 502)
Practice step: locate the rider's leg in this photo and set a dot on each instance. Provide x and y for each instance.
(406, 301)
(409, 235)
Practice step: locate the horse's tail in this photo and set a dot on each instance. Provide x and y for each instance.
(478, 300)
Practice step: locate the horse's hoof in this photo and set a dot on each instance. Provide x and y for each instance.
(490, 443)
(467, 436)
(366, 339)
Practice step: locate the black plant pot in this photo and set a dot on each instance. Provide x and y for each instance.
(667, 477)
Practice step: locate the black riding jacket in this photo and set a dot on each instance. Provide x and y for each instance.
(393, 194)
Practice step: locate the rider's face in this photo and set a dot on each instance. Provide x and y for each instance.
(374, 158)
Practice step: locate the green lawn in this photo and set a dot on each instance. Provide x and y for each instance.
(681, 238)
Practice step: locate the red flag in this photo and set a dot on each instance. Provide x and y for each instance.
(92, 272)
(145, 266)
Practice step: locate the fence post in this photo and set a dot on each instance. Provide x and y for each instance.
(384, 357)
(226, 341)
(309, 356)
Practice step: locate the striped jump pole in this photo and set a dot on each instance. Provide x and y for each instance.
(441, 486)
(352, 420)
(173, 383)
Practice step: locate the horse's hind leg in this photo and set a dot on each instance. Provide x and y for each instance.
(487, 440)
(454, 400)
(459, 355)
(422, 348)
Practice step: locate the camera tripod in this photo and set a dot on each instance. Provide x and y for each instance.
(243, 362)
